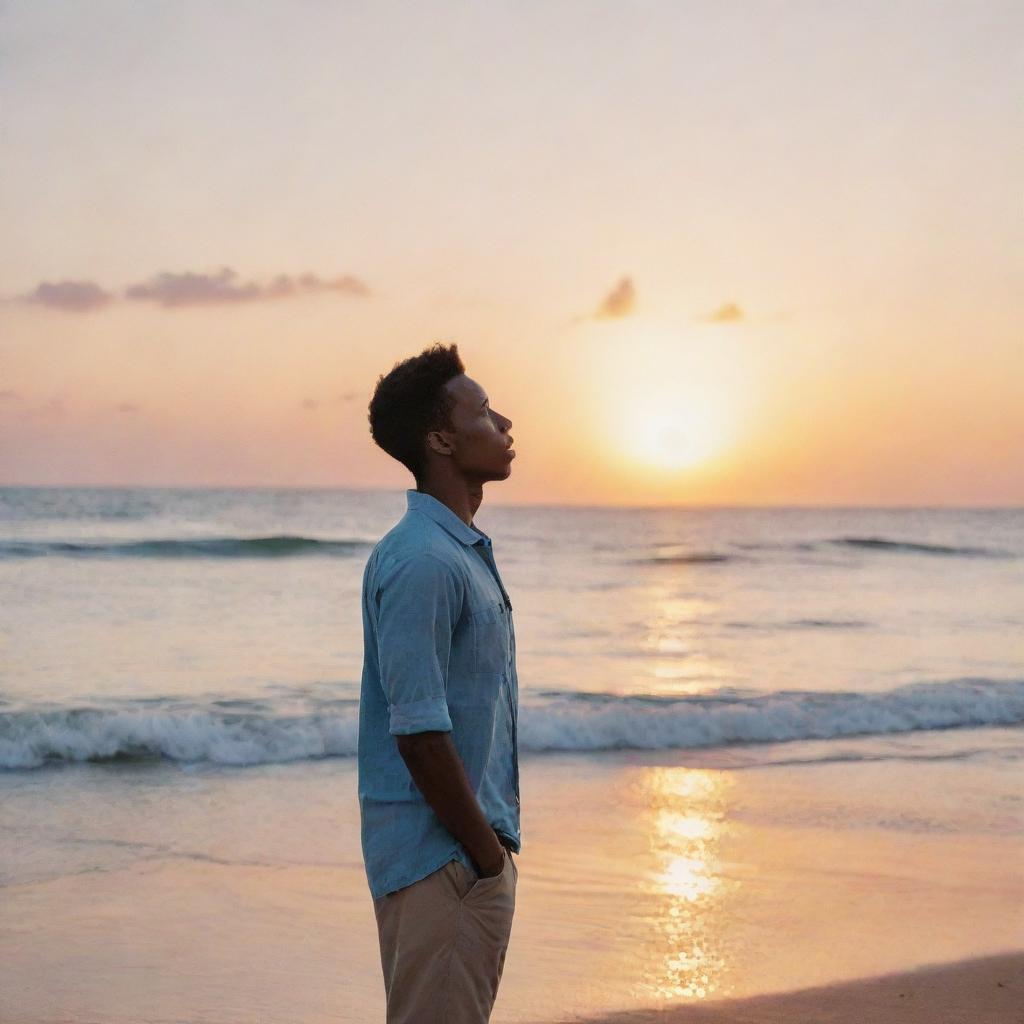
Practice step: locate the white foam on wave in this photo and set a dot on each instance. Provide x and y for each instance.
(643, 723)
(31, 739)
(552, 722)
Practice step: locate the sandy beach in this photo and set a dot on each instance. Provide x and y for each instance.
(237, 897)
(989, 990)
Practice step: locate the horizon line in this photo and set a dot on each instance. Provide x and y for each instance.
(520, 504)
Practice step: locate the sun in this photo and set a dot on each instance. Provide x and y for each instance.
(670, 401)
(676, 438)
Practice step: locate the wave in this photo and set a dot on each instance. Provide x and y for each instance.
(274, 546)
(686, 558)
(548, 721)
(676, 555)
(798, 624)
(883, 544)
(886, 544)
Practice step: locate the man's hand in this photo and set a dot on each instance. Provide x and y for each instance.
(437, 770)
(496, 868)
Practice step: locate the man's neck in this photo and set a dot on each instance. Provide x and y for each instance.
(461, 497)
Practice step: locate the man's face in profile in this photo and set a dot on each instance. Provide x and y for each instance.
(481, 444)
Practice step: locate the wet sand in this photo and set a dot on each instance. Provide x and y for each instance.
(648, 890)
(989, 990)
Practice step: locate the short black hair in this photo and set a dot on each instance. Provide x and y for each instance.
(410, 400)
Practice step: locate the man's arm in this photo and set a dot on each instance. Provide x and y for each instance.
(420, 601)
(438, 772)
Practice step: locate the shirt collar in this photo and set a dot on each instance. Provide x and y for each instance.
(420, 501)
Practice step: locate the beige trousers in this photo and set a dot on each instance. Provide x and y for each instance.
(442, 944)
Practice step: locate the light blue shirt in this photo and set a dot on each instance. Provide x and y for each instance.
(439, 653)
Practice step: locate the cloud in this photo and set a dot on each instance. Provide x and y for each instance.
(223, 288)
(348, 396)
(310, 403)
(127, 407)
(189, 289)
(8, 396)
(69, 296)
(728, 312)
(619, 302)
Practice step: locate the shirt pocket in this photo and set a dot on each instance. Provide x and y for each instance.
(490, 641)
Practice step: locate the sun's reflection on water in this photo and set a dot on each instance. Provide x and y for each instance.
(683, 895)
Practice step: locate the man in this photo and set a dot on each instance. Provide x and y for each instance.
(437, 753)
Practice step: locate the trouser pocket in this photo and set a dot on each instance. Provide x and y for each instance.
(473, 887)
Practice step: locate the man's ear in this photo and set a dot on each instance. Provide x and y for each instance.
(439, 443)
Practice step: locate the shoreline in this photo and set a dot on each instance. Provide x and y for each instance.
(982, 990)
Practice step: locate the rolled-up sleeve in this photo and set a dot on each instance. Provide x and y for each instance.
(419, 603)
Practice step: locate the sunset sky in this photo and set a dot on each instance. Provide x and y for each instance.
(698, 253)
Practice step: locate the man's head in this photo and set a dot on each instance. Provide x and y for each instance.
(431, 417)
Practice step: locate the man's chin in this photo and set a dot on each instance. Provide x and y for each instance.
(498, 475)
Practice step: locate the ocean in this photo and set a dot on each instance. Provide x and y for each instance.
(713, 703)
